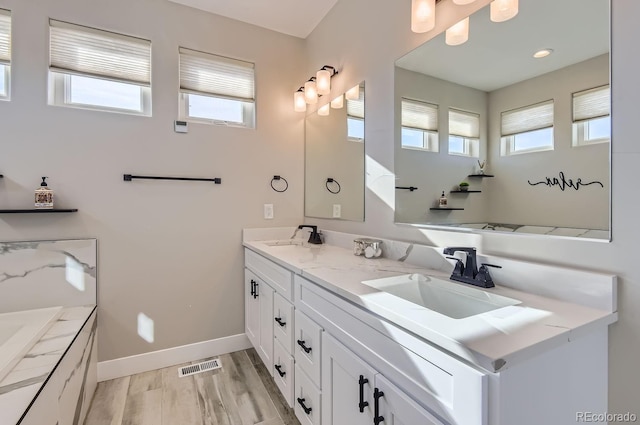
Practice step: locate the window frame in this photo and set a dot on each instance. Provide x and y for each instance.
(508, 142)
(6, 76)
(430, 140)
(351, 138)
(248, 112)
(580, 128)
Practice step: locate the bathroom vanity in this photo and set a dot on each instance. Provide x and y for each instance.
(347, 339)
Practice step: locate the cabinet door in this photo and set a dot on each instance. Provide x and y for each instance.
(251, 309)
(265, 298)
(347, 386)
(395, 407)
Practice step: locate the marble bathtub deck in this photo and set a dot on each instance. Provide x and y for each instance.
(22, 384)
(240, 393)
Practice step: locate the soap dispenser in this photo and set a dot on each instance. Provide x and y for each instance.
(442, 202)
(44, 196)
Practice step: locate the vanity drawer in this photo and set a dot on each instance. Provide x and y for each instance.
(277, 276)
(306, 396)
(283, 371)
(307, 346)
(283, 322)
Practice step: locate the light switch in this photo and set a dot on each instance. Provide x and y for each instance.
(337, 210)
(268, 211)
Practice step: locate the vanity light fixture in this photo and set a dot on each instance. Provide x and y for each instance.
(542, 53)
(323, 111)
(338, 102)
(503, 10)
(463, 2)
(423, 15)
(458, 34)
(323, 79)
(311, 91)
(299, 103)
(353, 93)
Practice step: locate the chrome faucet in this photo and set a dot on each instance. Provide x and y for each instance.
(314, 237)
(468, 272)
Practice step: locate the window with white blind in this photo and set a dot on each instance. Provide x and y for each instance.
(419, 125)
(591, 116)
(464, 133)
(355, 118)
(5, 54)
(216, 89)
(97, 69)
(527, 129)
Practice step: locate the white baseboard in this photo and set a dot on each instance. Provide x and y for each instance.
(117, 368)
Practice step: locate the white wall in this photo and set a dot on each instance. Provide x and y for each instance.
(168, 249)
(434, 172)
(513, 200)
(380, 36)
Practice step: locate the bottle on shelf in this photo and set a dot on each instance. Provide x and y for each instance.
(44, 196)
(443, 202)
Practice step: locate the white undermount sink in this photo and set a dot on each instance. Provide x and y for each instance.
(444, 297)
(287, 242)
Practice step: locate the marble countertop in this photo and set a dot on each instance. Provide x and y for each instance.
(22, 384)
(490, 340)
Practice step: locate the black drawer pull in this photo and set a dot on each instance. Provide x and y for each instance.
(280, 321)
(362, 403)
(279, 369)
(377, 394)
(304, 347)
(253, 287)
(306, 409)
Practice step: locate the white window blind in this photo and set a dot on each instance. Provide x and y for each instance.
(355, 108)
(76, 49)
(5, 37)
(528, 118)
(590, 104)
(208, 74)
(464, 124)
(420, 115)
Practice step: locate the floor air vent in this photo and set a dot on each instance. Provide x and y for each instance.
(199, 368)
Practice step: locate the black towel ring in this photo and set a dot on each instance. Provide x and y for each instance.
(330, 180)
(279, 178)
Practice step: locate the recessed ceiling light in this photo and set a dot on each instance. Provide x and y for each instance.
(542, 53)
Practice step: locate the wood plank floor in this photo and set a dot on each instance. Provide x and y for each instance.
(240, 393)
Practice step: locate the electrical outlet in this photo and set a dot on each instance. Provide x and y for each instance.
(268, 211)
(337, 210)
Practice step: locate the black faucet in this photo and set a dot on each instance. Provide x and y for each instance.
(468, 272)
(314, 237)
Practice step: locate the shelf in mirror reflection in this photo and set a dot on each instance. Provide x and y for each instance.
(446, 209)
(465, 191)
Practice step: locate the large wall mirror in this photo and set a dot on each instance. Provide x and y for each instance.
(334, 159)
(530, 136)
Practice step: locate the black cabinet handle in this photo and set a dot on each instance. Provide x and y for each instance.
(280, 321)
(304, 347)
(279, 369)
(306, 409)
(377, 394)
(253, 287)
(362, 403)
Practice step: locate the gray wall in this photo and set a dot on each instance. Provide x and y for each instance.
(168, 249)
(376, 40)
(434, 172)
(513, 200)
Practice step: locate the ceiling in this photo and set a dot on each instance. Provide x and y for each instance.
(500, 54)
(292, 17)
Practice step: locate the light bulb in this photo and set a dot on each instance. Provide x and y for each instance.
(324, 110)
(310, 92)
(299, 104)
(503, 10)
(353, 93)
(423, 15)
(463, 2)
(458, 33)
(338, 102)
(323, 81)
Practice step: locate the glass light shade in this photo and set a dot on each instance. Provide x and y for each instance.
(458, 33)
(338, 102)
(324, 110)
(503, 10)
(353, 93)
(423, 15)
(323, 81)
(299, 104)
(463, 2)
(310, 92)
